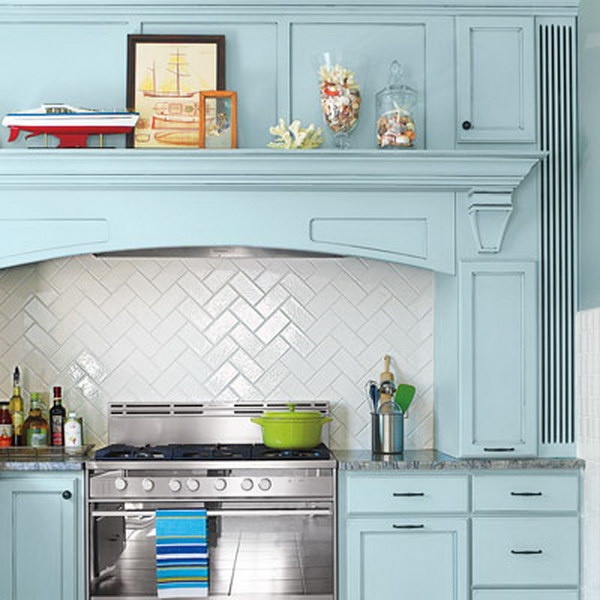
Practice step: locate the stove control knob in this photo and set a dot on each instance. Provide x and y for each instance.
(147, 484)
(247, 485)
(265, 485)
(174, 485)
(192, 485)
(120, 483)
(220, 485)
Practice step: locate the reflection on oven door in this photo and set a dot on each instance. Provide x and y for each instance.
(250, 558)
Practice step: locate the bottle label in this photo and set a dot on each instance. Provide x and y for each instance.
(72, 433)
(6, 431)
(36, 437)
(56, 425)
(17, 419)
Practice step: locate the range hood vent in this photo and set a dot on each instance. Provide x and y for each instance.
(236, 252)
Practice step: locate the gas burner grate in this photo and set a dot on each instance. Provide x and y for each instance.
(211, 452)
(261, 452)
(125, 452)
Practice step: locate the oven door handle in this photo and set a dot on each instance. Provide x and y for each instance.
(312, 512)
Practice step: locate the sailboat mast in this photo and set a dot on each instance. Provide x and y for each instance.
(177, 73)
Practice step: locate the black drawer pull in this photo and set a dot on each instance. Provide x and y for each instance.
(526, 552)
(408, 494)
(408, 526)
(498, 449)
(466, 125)
(67, 495)
(528, 494)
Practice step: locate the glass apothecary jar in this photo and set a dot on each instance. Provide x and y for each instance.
(395, 104)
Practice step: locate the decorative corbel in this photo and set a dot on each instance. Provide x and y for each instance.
(489, 213)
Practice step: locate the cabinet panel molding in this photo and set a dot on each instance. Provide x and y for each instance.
(498, 349)
(426, 558)
(41, 530)
(496, 80)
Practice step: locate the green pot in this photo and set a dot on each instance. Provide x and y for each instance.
(291, 430)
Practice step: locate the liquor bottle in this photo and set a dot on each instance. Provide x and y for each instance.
(57, 416)
(36, 427)
(6, 428)
(16, 410)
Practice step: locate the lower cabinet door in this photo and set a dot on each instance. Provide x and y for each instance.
(41, 537)
(420, 559)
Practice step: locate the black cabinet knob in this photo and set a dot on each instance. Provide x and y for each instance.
(467, 125)
(67, 495)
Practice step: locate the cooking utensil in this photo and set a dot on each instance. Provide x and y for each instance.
(386, 386)
(373, 393)
(404, 396)
(291, 430)
(386, 374)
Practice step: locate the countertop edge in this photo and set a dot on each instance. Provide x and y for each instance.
(430, 460)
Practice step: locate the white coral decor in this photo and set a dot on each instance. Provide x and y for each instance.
(294, 137)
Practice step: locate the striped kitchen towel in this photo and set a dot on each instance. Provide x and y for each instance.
(181, 554)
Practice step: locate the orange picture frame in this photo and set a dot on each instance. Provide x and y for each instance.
(220, 121)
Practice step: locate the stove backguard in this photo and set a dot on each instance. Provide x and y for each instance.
(138, 423)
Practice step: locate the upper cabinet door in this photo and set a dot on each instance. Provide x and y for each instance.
(496, 80)
(498, 350)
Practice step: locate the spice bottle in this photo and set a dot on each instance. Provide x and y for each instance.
(394, 106)
(73, 431)
(6, 428)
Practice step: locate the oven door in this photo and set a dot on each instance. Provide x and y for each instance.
(257, 550)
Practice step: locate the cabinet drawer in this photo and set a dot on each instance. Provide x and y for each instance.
(541, 551)
(526, 492)
(410, 494)
(525, 595)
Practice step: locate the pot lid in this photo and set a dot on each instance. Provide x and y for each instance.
(292, 415)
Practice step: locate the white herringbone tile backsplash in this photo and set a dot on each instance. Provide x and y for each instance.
(221, 330)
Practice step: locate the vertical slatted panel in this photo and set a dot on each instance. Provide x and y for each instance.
(558, 195)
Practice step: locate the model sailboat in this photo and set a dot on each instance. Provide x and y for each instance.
(69, 124)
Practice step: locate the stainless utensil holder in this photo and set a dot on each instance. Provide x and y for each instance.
(387, 430)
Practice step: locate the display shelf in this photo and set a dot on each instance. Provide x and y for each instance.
(459, 170)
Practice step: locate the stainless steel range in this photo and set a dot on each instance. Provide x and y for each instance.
(271, 514)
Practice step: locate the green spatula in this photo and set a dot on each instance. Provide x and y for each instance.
(404, 396)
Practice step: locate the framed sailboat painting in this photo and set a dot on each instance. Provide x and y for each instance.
(165, 76)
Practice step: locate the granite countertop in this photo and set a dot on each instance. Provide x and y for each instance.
(432, 460)
(44, 459)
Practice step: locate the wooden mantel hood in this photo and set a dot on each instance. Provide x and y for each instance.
(396, 206)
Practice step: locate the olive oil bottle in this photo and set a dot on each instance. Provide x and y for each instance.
(16, 410)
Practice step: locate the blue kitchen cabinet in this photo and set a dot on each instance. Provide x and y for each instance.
(498, 350)
(496, 80)
(485, 534)
(41, 536)
(403, 536)
(418, 558)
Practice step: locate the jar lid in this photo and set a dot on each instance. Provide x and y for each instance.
(397, 85)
